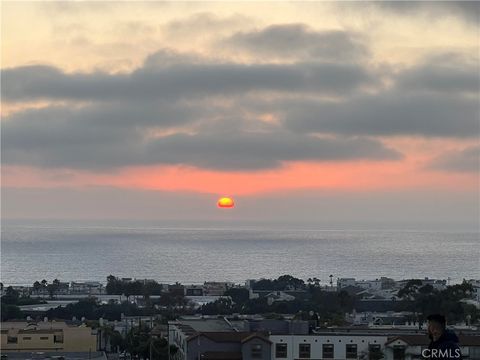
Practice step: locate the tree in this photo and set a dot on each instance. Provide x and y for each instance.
(53, 288)
(410, 288)
(222, 306)
(11, 296)
(36, 287)
(114, 286)
(117, 343)
(238, 295)
(44, 284)
(10, 312)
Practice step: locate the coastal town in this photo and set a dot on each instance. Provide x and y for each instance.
(283, 318)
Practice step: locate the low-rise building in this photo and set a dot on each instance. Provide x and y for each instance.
(278, 296)
(87, 287)
(215, 288)
(23, 336)
(226, 345)
(222, 338)
(410, 347)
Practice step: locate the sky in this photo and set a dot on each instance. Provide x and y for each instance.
(303, 112)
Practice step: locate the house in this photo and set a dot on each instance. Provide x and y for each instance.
(176, 290)
(193, 290)
(278, 296)
(221, 345)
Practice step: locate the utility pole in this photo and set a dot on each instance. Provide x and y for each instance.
(151, 346)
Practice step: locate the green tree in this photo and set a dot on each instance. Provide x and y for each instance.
(36, 287)
(11, 296)
(10, 312)
(410, 288)
(238, 295)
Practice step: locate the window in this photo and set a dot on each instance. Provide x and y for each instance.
(327, 351)
(304, 351)
(27, 338)
(398, 352)
(374, 352)
(58, 338)
(256, 351)
(281, 350)
(12, 340)
(474, 352)
(43, 337)
(351, 351)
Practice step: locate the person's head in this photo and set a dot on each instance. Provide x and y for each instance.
(436, 325)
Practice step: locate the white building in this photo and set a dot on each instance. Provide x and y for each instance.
(362, 344)
(327, 346)
(87, 287)
(278, 296)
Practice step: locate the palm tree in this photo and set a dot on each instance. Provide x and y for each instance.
(36, 287)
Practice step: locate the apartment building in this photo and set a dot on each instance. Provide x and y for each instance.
(363, 344)
(222, 338)
(61, 336)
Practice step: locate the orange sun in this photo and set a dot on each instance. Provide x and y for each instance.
(225, 202)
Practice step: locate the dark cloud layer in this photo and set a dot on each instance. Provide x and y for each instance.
(390, 113)
(219, 101)
(468, 11)
(446, 78)
(299, 41)
(67, 140)
(182, 80)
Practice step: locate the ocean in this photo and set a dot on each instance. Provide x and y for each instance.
(198, 254)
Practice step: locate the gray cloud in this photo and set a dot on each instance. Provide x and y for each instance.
(299, 41)
(181, 80)
(466, 160)
(390, 113)
(222, 104)
(468, 11)
(66, 139)
(434, 76)
(263, 150)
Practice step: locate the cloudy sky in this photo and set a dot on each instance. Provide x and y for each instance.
(303, 112)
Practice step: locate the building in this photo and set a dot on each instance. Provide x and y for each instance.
(363, 344)
(214, 288)
(409, 347)
(87, 287)
(194, 290)
(224, 338)
(50, 336)
(278, 296)
(328, 345)
(225, 345)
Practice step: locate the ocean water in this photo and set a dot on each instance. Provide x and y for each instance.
(195, 255)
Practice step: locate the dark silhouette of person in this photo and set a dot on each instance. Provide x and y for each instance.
(443, 342)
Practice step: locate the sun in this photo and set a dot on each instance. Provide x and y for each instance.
(225, 202)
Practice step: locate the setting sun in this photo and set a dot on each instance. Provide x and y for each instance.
(225, 202)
